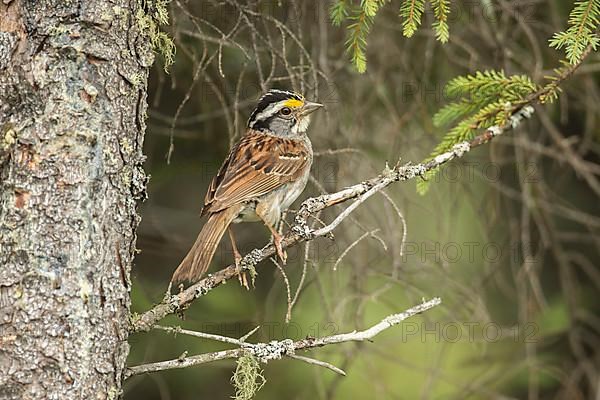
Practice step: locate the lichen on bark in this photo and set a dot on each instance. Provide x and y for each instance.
(71, 135)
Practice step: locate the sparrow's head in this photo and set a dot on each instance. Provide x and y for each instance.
(282, 113)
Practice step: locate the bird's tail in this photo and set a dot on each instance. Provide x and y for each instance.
(198, 259)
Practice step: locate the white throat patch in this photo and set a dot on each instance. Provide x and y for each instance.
(302, 126)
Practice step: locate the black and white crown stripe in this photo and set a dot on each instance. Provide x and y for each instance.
(270, 104)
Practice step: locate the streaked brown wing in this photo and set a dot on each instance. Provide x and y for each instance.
(256, 165)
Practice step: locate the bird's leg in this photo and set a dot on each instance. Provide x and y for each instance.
(277, 238)
(263, 214)
(237, 257)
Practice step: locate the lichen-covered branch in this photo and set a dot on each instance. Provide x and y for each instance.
(277, 349)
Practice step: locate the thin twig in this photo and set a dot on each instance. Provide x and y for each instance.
(288, 290)
(202, 335)
(353, 244)
(247, 335)
(317, 362)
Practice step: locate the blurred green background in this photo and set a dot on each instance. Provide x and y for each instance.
(508, 237)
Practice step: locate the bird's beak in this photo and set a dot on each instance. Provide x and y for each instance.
(310, 107)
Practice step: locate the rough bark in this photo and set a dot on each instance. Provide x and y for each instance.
(72, 107)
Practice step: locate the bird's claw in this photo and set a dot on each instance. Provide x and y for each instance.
(277, 239)
(242, 275)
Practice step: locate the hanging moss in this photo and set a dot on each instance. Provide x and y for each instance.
(247, 378)
(151, 15)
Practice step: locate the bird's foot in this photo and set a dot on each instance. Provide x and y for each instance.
(242, 275)
(277, 239)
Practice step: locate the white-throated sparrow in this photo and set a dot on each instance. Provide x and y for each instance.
(262, 176)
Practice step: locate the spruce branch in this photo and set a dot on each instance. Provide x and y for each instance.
(411, 11)
(339, 11)
(358, 29)
(487, 99)
(356, 44)
(360, 20)
(441, 9)
(582, 31)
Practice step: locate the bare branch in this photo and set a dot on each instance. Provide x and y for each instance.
(370, 333)
(183, 362)
(276, 349)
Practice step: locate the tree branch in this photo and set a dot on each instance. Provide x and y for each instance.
(276, 349)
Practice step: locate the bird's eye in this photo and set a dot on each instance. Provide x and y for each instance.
(286, 111)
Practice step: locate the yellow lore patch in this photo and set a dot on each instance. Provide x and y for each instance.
(293, 103)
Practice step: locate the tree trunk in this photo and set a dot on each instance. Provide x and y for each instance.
(72, 107)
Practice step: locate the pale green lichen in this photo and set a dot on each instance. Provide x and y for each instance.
(126, 146)
(8, 138)
(113, 393)
(59, 30)
(134, 317)
(247, 378)
(136, 79)
(253, 274)
(151, 15)
(126, 176)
